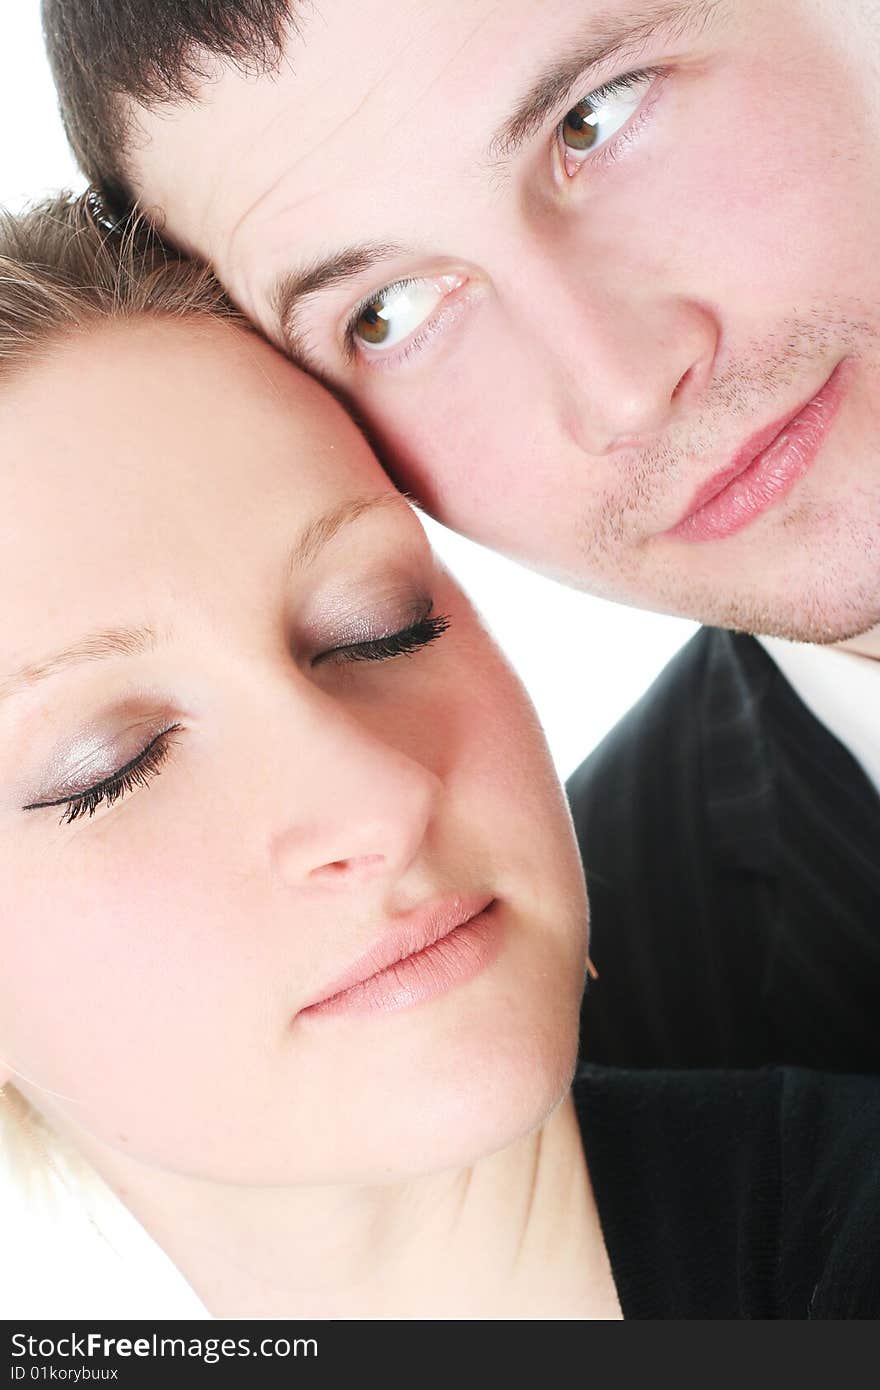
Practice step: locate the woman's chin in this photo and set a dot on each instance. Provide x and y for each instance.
(380, 1097)
(472, 1074)
(468, 1102)
(514, 1096)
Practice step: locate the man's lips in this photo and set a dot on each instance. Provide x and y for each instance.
(409, 940)
(764, 469)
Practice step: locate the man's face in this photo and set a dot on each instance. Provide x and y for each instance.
(618, 316)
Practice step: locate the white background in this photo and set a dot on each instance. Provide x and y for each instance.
(584, 662)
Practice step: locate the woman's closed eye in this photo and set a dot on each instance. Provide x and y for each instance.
(137, 772)
(404, 642)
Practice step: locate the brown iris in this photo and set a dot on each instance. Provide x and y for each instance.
(370, 325)
(577, 131)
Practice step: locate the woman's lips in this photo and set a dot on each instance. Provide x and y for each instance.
(427, 954)
(764, 470)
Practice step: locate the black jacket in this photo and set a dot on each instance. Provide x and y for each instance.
(749, 1194)
(732, 853)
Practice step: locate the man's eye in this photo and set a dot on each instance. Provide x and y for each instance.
(592, 122)
(398, 310)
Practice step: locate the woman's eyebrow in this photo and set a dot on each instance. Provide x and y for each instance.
(607, 37)
(322, 530)
(95, 646)
(135, 641)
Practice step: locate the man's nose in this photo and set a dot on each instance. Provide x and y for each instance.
(357, 809)
(624, 367)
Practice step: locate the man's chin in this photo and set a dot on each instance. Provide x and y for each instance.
(806, 622)
(819, 634)
(818, 584)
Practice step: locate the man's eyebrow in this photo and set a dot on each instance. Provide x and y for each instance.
(609, 37)
(293, 288)
(96, 646)
(319, 532)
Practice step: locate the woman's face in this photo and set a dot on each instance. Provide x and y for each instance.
(271, 771)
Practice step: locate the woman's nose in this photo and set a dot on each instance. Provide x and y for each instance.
(358, 810)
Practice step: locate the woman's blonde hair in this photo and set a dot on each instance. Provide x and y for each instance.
(67, 266)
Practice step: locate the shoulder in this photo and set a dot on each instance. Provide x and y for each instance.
(699, 736)
(830, 1178)
(749, 1194)
(644, 728)
(715, 677)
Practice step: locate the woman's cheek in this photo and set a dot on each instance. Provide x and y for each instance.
(502, 743)
(94, 984)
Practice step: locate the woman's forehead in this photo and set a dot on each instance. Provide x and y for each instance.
(119, 414)
(173, 460)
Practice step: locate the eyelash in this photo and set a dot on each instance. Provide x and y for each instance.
(616, 145)
(138, 773)
(149, 763)
(615, 87)
(348, 334)
(410, 346)
(404, 643)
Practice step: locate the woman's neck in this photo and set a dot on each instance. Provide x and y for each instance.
(516, 1235)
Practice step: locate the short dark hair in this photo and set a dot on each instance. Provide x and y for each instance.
(106, 53)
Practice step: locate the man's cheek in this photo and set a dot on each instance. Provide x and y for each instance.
(784, 184)
(447, 456)
(485, 457)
